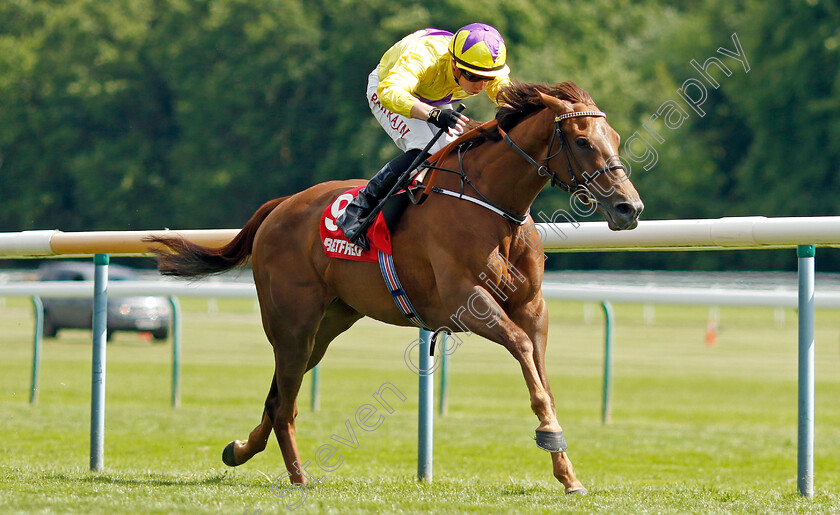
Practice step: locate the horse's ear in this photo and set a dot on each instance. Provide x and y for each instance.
(554, 103)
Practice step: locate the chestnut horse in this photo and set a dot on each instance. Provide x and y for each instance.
(442, 248)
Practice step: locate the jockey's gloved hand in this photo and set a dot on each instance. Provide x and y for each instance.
(444, 118)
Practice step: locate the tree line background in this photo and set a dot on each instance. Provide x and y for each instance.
(145, 114)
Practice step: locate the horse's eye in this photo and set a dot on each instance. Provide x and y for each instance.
(582, 143)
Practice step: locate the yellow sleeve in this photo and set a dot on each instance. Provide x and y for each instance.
(395, 90)
(494, 86)
(405, 66)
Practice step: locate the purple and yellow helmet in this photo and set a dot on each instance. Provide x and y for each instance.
(480, 49)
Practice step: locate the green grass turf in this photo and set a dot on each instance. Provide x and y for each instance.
(694, 429)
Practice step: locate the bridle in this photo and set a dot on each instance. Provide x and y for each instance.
(576, 187)
(544, 170)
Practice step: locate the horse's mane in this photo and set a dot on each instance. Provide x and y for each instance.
(519, 100)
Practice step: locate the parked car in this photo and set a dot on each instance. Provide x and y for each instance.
(136, 314)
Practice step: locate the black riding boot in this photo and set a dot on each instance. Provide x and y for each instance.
(368, 198)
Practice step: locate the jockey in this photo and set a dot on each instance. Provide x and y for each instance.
(410, 93)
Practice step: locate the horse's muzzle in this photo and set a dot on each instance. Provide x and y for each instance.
(625, 215)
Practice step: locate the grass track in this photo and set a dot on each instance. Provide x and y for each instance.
(695, 429)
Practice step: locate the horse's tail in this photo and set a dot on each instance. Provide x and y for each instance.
(183, 258)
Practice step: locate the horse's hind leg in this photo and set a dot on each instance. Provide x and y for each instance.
(338, 318)
(238, 452)
(291, 363)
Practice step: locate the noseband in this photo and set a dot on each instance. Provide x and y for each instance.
(544, 170)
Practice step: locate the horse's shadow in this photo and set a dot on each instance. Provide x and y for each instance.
(214, 479)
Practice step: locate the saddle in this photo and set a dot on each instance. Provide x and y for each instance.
(336, 244)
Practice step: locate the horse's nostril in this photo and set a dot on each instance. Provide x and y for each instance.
(630, 209)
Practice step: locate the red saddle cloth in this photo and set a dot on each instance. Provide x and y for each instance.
(336, 245)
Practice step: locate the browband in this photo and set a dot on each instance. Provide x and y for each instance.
(580, 113)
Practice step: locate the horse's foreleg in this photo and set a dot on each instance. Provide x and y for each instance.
(525, 346)
(495, 325)
(524, 334)
(533, 319)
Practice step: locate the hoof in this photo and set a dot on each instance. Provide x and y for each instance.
(227, 455)
(578, 491)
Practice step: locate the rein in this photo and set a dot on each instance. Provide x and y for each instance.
(440, 156)
(508, 215)
(460, 144)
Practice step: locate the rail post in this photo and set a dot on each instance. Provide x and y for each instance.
(37, 343)
(805, 446)
(444, 376)
(425, 417)
(316, 389)
(609, 323)
(100, 332)
(176, 351)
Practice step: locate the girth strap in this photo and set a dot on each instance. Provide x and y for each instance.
(389, 273)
